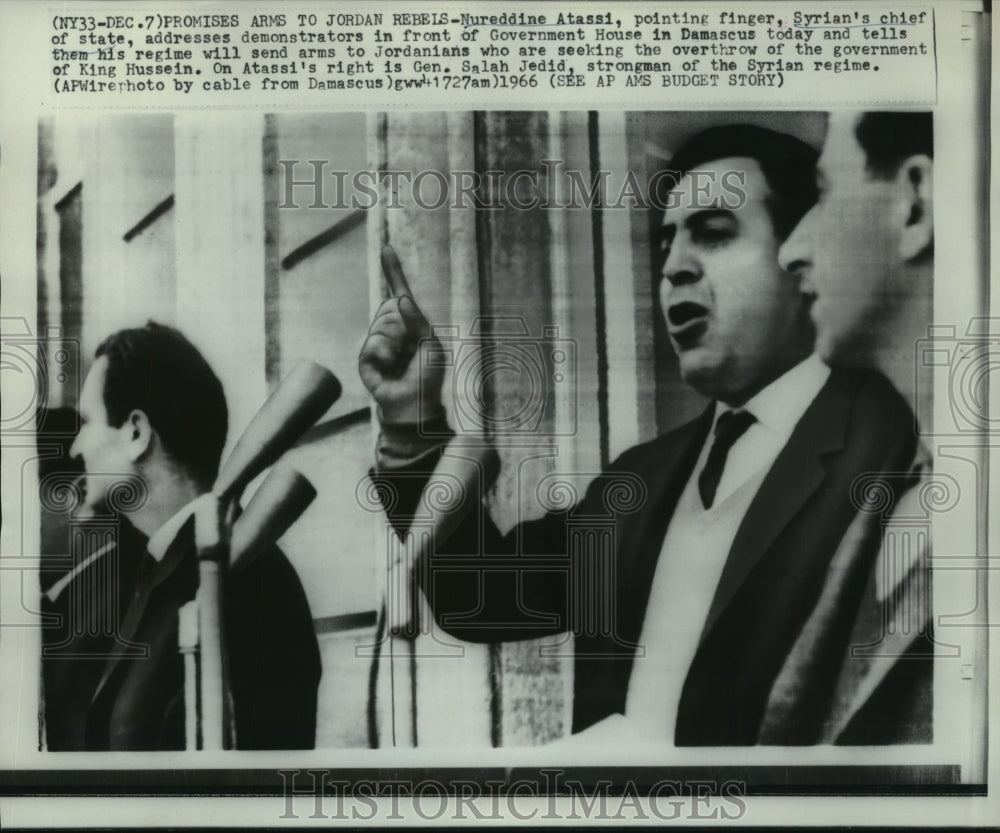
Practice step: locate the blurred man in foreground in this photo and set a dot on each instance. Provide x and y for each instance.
(865, 254)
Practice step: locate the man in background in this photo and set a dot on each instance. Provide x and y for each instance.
(865, 252)
(865, 255)
(716, 572)
(151, 408)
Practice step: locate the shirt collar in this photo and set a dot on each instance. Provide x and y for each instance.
(780, 405)
(164, 536)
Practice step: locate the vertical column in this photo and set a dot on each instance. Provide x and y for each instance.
(422, 696)
(381, 711)
(463, 250)
(577, 407)
(127, 264)
(219, 204)
(104, 222)
(448, 688)
(565, 399)
(516, 379)
(624, 391)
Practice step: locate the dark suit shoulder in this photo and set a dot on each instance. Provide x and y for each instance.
(873, 393)
(878, 413)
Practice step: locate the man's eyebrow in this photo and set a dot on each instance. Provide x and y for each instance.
(696, 219)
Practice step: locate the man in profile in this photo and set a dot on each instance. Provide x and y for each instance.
(865, 251)
(718, 570)
(865, 255)
(151, 408)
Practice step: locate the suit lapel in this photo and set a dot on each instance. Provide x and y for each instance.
(797, 473)
(150, 577)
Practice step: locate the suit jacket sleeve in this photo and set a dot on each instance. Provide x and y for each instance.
(482, 585)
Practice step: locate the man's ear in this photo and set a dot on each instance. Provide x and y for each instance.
(915, 189)
(139, 434)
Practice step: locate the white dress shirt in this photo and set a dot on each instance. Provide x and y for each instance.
(161, 540)
(697, 544)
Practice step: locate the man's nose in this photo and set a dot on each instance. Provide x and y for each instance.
(74, 450)
(794, 254)
(681, 266)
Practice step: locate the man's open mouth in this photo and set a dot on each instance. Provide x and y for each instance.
(687, 321)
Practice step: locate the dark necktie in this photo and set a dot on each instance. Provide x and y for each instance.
(728, 429)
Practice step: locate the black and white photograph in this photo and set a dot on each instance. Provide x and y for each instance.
(670, 402)
(501, 453)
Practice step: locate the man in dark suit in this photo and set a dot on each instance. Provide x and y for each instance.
(688, 568)
(151, 408)
(865, 257)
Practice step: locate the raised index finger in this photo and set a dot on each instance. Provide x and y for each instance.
(393, 271)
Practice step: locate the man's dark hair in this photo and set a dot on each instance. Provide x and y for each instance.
(156, 370)
(788, 165)
(888, 139)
